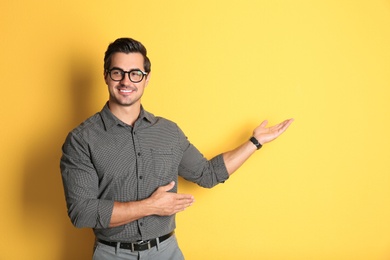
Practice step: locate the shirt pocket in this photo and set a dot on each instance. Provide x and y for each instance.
(163, 165)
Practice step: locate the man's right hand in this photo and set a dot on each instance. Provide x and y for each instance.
(165, 203)
(161, 202)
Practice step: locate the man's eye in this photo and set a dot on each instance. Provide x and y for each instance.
(136, 73)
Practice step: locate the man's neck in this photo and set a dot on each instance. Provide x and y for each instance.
(127, 114)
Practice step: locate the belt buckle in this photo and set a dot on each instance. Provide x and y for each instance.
(141, 243)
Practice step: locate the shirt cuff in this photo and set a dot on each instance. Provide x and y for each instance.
(220, 168)
(105, 209)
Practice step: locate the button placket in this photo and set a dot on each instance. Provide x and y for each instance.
(140, 188)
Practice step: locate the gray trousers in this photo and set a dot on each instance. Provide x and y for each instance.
(167, 250)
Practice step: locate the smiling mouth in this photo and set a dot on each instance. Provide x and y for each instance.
(126, 90)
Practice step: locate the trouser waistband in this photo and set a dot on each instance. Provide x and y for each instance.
(138, 246)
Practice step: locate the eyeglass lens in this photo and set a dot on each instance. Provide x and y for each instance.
(134, 75)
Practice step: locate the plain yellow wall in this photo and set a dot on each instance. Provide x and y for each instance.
(321, 191)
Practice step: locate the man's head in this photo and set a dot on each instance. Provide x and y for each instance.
(126, 72)
(126, 45)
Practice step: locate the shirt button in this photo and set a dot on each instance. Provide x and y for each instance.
(141, 177)
(141, 224)
(139, 154)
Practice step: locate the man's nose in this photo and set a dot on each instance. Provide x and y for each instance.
(126, 79)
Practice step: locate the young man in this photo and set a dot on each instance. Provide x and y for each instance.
(120, 167)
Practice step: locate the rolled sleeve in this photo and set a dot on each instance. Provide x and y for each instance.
(81, 188)
(196, 168)
(218, 164)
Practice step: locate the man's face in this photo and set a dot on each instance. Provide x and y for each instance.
(125, 92)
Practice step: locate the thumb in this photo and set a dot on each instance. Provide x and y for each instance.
(264, 123)
(168, 187)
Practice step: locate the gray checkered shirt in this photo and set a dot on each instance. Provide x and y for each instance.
(105, 160)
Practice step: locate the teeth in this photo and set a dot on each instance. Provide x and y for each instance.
(126, 90)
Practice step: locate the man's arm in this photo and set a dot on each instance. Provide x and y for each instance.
(165, 203)
(235, 158)
(162, 203)
(81, 188)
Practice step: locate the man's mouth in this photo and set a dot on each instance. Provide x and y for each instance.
(126, 90)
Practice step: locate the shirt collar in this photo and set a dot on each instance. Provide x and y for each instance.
(110, 120)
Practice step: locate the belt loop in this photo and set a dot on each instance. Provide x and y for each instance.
(118, 244)
(158, 244)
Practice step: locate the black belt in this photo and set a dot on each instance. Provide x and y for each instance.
(138, 246)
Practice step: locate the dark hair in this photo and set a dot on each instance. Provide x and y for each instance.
(126, 45)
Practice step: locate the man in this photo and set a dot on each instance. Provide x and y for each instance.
(120, 167)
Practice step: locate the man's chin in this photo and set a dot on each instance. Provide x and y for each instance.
(122, 103)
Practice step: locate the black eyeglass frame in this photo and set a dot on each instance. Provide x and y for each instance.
(127, 72)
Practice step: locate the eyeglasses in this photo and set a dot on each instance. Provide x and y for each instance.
(135, 75)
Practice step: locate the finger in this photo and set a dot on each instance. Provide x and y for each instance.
(284, 124)
(280, 128)
(168, 187)
(287, 123)
(184, 198)
(184, 203)
(184, 206)
(264, 123)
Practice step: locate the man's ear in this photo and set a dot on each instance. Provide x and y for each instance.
(105, 74)
(148, 78)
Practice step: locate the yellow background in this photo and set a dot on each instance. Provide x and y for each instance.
(321, 191)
